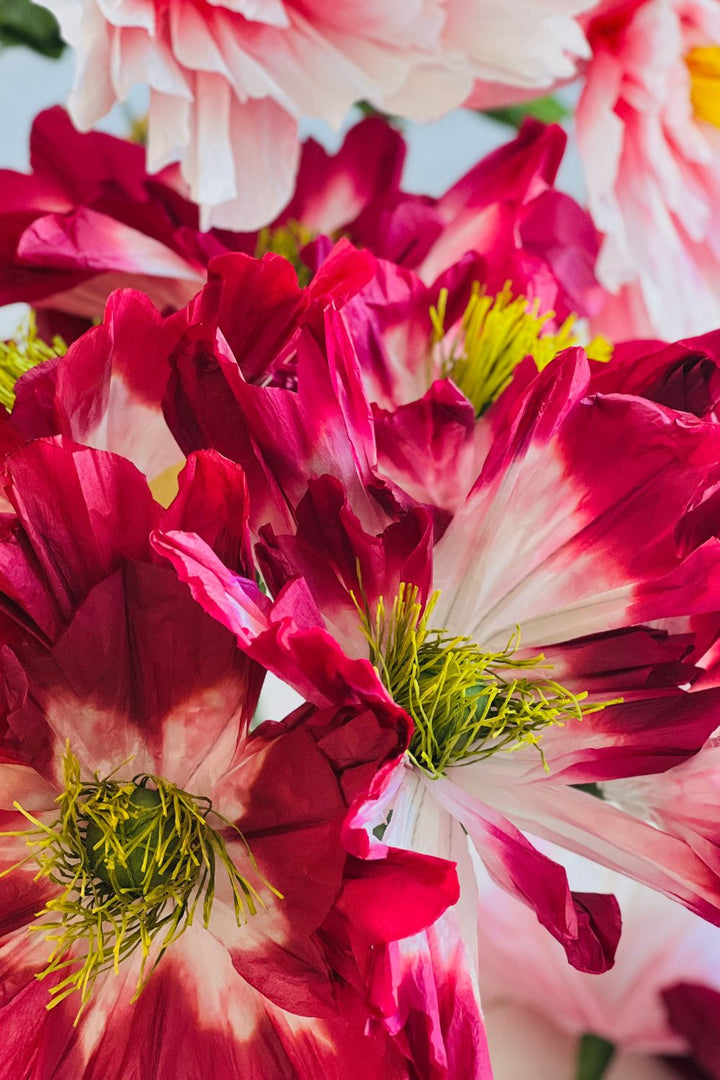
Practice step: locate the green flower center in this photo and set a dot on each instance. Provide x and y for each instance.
(132, 843)
(466, 704)
(496, 334)
(287, 240)
(134, 860)
(19, 356)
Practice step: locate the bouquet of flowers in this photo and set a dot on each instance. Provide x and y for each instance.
(360, 545)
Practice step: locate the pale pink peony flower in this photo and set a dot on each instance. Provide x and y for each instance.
(647, 125)
(228, 81)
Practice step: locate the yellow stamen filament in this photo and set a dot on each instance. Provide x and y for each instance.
(132, 861)
(466, 704)
(704, 67)
(19, 356)
(496, 334)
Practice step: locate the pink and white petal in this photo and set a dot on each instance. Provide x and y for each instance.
(547, 49)
(89, 240)
(332, 191)
(142, 676)
(547, 539)
(212, 502)
(81, 295)
(633, 660)
(586, 924)
(197, 1016)
(107, 391)
(82, 513)
(268, 136)
(421, 823)
(643, 735)
(305, 657)
(434, 1000)
(682, 801)
(603, 833)
(437, 1012)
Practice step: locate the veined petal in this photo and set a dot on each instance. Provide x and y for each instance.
(617, 840)
(106, 393)
(578, 562)
(586, 924)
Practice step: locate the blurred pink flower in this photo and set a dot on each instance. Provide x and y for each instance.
(229, 81)
(647, 125)
(105, 652)
(525, 978)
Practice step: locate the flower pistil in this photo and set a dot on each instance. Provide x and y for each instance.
(133, 860)
(466, 704)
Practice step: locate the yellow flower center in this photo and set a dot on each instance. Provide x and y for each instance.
(704, 67)
(496, 334)
(133, 860)
(20, 355)
(466, 704)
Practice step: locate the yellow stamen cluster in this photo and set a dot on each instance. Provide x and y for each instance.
(20, 355)
(496, 334)
(139, 126)
(704, 67)
(466, 704)
(286, 240)
(133, 860)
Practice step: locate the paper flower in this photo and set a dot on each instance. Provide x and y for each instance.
(460, 793)
(199, 902)
(539, 542)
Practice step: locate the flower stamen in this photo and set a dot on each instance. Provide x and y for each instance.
(132, 860)
(20, 355)
(466, 704)
(703, 63)
(496, 334)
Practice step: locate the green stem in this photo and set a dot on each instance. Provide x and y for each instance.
(548, 109)
(594, 1057)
